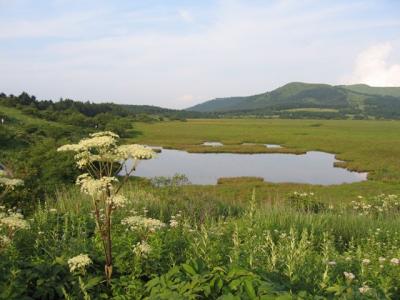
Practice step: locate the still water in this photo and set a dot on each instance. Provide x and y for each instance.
(314, 167)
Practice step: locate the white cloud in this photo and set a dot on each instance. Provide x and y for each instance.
(186, 98)
(185, 15)
(372, 67)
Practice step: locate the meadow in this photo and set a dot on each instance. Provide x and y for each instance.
(240, 239)
(371, 146)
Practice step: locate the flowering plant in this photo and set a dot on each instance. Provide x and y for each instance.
(101, 159)
(7, 183)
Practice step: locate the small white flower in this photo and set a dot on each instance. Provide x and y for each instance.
(173, 223)
(139, 222)
(382, 260)
(349, 276)
(365, 261)
(142, 248)
(4, 241)
(364, 289)
(395, 261)
(79, 262)
(332, 263)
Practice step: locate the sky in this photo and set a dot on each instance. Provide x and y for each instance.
(179, 53)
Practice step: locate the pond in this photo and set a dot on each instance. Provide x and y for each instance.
(314, 167)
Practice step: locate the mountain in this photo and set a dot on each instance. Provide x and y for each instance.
(299, 99)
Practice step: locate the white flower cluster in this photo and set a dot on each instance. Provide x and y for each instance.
(140, 222)
(175, 220)
(135, 151)
(118, 201)
(4, 241)
(79, 262)
(364, 289)
(9, 183)
(97, 140)
(102, 146)
(13, 221)
(95, 187)
(142, 248)
(377, 205)
(349, 276)
(303, 194)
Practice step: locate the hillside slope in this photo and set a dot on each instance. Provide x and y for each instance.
(299, 98)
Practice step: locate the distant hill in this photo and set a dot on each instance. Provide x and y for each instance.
(373, 90)
(299, 99)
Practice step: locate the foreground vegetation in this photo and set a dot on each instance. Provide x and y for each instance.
(206, 248)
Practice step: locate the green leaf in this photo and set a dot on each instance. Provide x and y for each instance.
(92, 282)
(248, 285)
(188, 269)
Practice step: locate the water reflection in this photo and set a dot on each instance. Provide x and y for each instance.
(205, 168)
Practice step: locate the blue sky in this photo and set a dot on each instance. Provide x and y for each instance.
(179, 53)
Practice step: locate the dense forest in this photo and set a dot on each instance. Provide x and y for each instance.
(107, 116)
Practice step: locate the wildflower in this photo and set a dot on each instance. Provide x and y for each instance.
(4, 241)
(364, 289)
(139, 222)
(365, 261)
(332, 263)
(349, 276)
(173, 223)
(382, 260)
(142, 248)
(119, 201)
(135, 152)
(104, 133)
(14, 221)
(79, 262)
(95, 187)
(395, 261)
(10, 182)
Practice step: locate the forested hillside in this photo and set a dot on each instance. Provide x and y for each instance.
(304, 100)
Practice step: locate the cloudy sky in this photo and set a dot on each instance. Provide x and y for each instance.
(179, 53)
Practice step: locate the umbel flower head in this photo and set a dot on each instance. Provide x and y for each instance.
(79, 263)
(102, 147)
(95, 187)
(14, 221)
(138, 222)
(9, 183)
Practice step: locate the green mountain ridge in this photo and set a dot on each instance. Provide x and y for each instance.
(337, 101)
